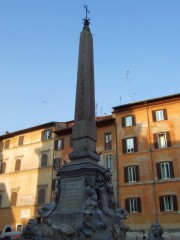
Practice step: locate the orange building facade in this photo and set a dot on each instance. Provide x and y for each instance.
(148, 146)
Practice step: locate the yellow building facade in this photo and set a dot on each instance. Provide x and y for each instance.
(26, 173)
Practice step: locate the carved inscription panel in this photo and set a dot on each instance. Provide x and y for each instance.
(72, 195)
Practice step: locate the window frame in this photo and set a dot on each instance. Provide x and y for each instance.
(125, 122)
(108, 141)
(160, 170)
(128, 170)
(19, 227)
(1, 199)
(43, 159)
(47, 134)
(163, 116)
(109, 162)
(71, 142)
(6, 143)
(125, 147)
(133, 205)
(21, 140)
(57, 163)
(170, 200)
(3, 167)
(59, 146)
(41, 188)
(17, 165)
(167, 139)
(14, 197)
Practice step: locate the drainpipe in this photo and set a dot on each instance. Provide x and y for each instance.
(152, 163)
(117, 164)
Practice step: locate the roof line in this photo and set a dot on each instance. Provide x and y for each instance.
(151, 100)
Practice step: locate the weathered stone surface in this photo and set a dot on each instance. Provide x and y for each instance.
(84, 129)
(155, 231)
(90, 210)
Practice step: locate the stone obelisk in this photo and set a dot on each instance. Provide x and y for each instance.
(84, 206)
(84, 130)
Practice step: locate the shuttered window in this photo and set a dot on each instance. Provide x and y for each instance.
(47, 134)
(3, 167)
(17, 165)
(108, 141)
(44, 160)
(131, 174)
(53, 187)
(108, 162)
(59, 144)
(71, 142)
(168, 203)
(133, 205)
(1, 200)
(41, 196)
(128, 121)
(21, 140)
(14, 199)
(165, 170)
(57, 163)
(129, 145)
(162, 140)
(6, 145)
(159, 115)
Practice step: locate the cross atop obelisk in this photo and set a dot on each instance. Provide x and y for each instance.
(84, 129)
(87, 11)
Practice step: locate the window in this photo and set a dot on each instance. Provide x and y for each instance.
(131, 174)
(41, 196)
(59, 144)
(162, 140)
(108, 141)
(13, 199)
(108, 162)
(129, 145)
(1, 145)
(133, 205)
(3, 167)
(71, 142)
(47, 134)
(19, 227)
(6, 145)
(1, 200)
(17, 165)
(44, 160)
(21, 140)
(128, 121)
(159, 115)
(53, 186)
(168, 203)
(165, 170)
(57, 163)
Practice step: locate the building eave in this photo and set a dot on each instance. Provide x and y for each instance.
(150, 102)
(23, 131)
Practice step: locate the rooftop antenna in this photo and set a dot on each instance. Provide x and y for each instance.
(120, 99)
(127, 85)
(134, 96)
(101, 111)
(96, 109)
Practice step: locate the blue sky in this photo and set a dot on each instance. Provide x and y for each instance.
(39, 41)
